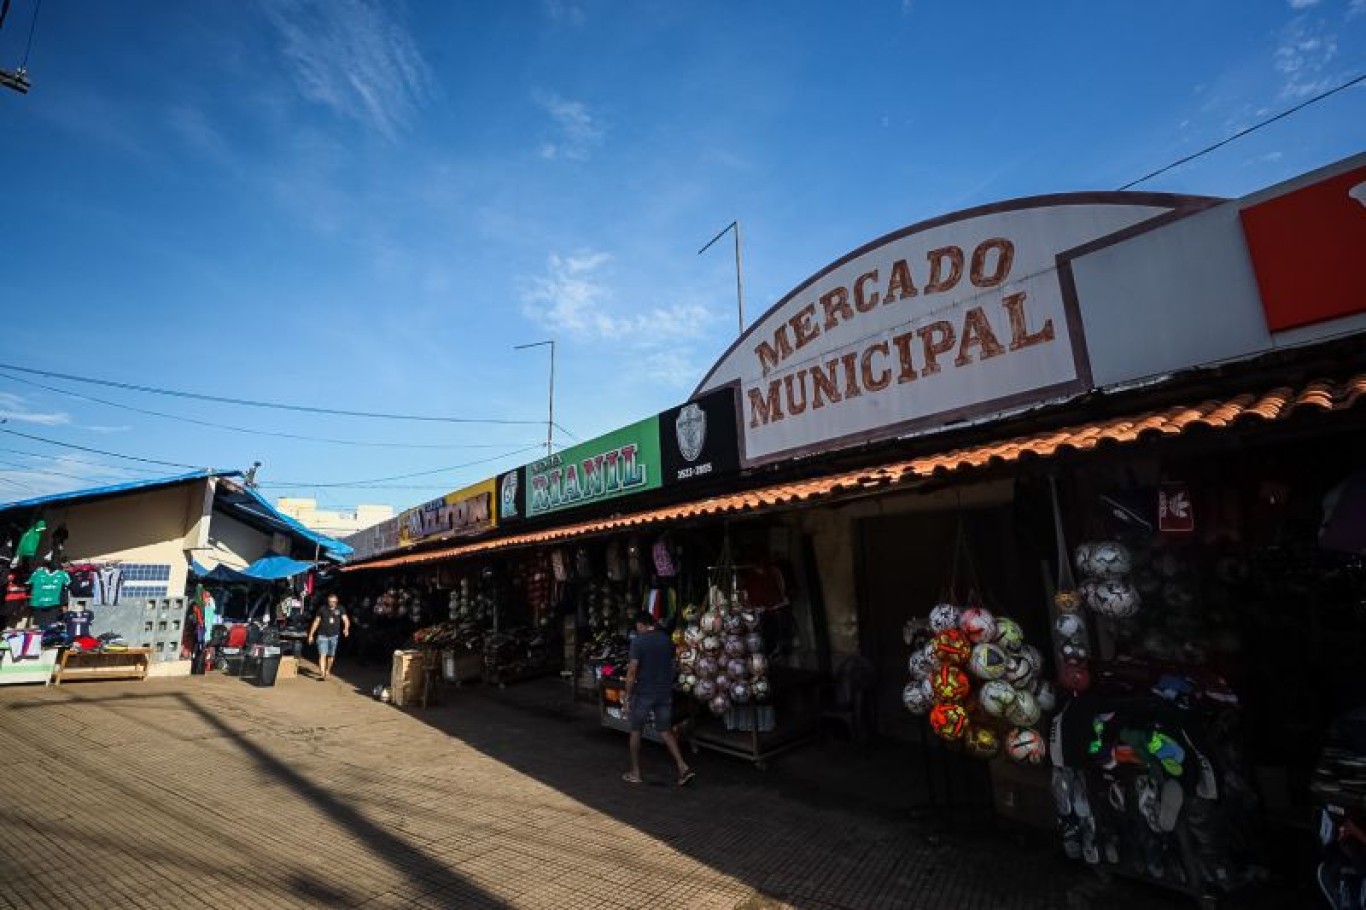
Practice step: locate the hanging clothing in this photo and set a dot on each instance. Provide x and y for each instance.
(47, 588)
(108, 585)
(78, 622)
(28, 544)
(24, 645)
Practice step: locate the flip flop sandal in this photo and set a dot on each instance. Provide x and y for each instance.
(686, 777)
(630, 778)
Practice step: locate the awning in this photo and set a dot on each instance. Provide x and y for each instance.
(1220, 414)
(247, 505)
(274, 566)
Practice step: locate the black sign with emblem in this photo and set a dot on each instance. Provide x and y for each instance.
(699, 439)
(511, 497)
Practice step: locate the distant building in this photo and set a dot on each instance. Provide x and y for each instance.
(332, 523)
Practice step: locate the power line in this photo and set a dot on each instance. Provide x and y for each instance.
(125, 469)
(371, 482)
(69, 445)
(252, 403)
(1251, 129)
(249, 430)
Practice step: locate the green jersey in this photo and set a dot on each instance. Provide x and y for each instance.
(46, 588)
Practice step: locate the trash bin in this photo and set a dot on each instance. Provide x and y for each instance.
(266, 663)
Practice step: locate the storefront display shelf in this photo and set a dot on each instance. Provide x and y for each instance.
(76, 665)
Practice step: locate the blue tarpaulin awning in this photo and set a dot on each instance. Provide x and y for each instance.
(274, 566)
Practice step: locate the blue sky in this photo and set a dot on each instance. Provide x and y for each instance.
(366, 205)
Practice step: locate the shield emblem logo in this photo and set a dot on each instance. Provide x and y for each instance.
(691, 430)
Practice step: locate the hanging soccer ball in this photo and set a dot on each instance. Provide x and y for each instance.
(978, 624)
(719, 705)
(1074, 651)
(996, 697)
(711, 623)
(711, 644)
(917, 697)
(951, 646)
(732, 624)
(1074, 677)
(737, 668)
(1067, 600)
(704, 689)
(1025, 745)
(760, 688)
(921, 665)
(1114, 598)
(758, 665)
(1081, 558)
(740, 693)
(949, 683)
(987, 661)
(944, 616)
(681, 684)
(754, 643)
(1108, 559)
(1022, 668)
(1025, 712)
(1009, 635)
(705, 667)
(982, 742)
(734, 646)
(1045, 696)
(949, 720)
(1070, 627)
(692, 636)
(751, 620)
(723, 683)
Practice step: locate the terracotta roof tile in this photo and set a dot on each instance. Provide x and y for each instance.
(1277, 404)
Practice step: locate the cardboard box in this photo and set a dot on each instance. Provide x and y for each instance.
(289, 668)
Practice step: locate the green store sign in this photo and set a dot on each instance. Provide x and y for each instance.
(623, 462)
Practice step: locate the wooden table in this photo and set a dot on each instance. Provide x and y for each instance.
(129, 664)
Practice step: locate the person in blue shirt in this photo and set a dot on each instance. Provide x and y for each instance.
(649, 692)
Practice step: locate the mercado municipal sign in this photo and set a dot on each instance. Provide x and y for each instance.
(952, 319)
(467, 511)
(621, 463)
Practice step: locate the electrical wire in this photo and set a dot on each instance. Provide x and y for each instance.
(32, 27)
(1251, 129)
(275, 405)
(384, 480)
(248, 430)
(29, 469)
(127, 469)
(70, 445)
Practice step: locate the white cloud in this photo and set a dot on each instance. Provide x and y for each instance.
(1358, 8)
(1302, 58)
(1303, 4)
(41, 476)
(574, 299)
(907, 7)
(14, 408)
(565, 11)
(576, 131)
(353, 57)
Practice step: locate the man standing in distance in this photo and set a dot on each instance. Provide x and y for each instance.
(330, 622)
(649, 690)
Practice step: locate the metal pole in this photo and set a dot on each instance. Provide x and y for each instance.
(739, 283)
(550, 423)
(739, 287)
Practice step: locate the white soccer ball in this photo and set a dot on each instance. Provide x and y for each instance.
(1113, 598)
(988, 661)
(1025, 711)
(996, 697)
(944, 617)
(917, 697)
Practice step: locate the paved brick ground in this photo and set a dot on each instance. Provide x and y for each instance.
(210, 792)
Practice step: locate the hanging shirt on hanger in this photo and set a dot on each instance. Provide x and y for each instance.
(46, 588)
(28, 544)
(110, 585)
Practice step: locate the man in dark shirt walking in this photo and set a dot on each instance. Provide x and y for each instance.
(330, 622)
(649, 691)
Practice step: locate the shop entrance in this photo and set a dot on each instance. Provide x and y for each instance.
(905, 563)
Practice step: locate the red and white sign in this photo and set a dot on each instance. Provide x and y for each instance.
(1175, 514)
(1307, 249)
(964, 316)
